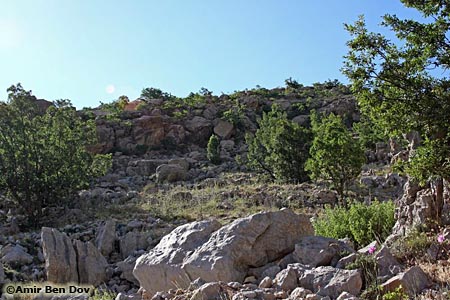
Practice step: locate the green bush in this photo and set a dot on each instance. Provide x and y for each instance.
(367, 264)
(335, 156)
(361, 223)
(212, 151)
(412, 246)
(279, 147)
(44, 159)
(398, 294)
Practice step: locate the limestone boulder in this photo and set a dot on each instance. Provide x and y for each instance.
(143, 167)
(287, 279)
(200, 130)
(15, 255)
(160, 269)
(133, 241)
(202, 250)
(413, 281)
(91, 263)
(149, 130)
(329, 281)
(171, 173)
(387, 264)
(126, 268)
(60, 257)
(209, 291)
(317, 251)
(106, 237)
(224, 129)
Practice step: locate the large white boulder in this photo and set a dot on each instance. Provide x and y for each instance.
(203, 250)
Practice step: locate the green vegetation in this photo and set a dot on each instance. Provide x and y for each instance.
(102, 295)
(279, 147)
(361, 223)
(335, 156)
(412, 246)
(367, 264)
(398, 294)
(235, 114)
(369, 133)
(154, 93)
(213, 152)
(403, 84)
(43, 155)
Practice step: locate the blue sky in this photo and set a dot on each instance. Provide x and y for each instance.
(96, 50)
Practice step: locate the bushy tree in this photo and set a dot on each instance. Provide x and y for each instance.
(335, 156)
(154, 93)
(43, 156)
(404, 84)
(279, 147)
(212, 149)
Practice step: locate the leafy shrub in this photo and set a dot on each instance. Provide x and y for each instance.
(43, 155)
(412, 246)
(154, 93)
(235, 114)
(361, 223)
(369, 132)
(102, 295)
(212, 150)
(367, 264)
(279, 147)
(398, 294)
(335, 156)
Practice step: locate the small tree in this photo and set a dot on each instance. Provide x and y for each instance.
(154, 93)
(279, 147)
(43, 156)
(212, 149)
(403, 84)
(335, 155)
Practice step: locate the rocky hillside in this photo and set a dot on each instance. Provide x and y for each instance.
(165, 223)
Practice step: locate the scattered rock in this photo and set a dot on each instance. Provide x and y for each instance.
(347, 296)
(388, 265)
(329, 281)
(299, 293)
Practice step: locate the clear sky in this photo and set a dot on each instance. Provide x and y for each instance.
(96, 50)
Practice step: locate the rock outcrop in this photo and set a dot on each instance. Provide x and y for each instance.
(65, 262)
